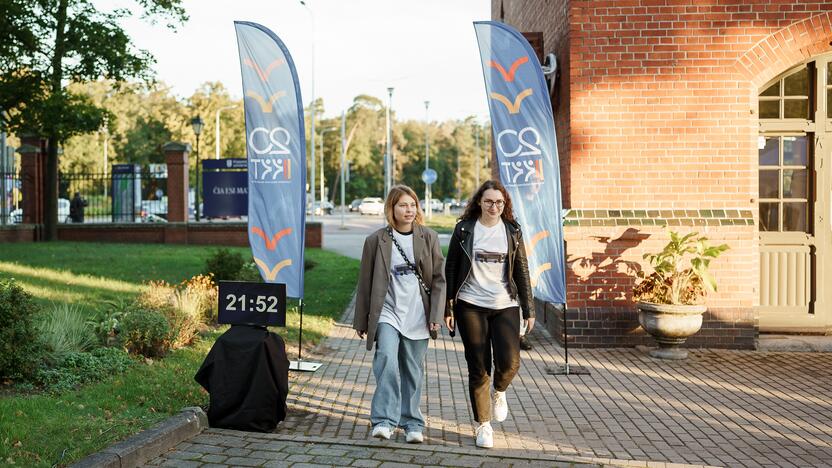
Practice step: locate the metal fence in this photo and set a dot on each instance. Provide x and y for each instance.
(127, 197)
(10, 198)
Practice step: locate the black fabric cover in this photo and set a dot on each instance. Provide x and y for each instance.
(246, 374)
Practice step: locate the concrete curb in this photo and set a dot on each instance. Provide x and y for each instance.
(150, 443)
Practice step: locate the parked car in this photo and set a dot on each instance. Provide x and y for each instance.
(16, 216)
(324, 208)
(453, 204)
(435, 204)
(327, 209)
(371, 206)
(355, 204)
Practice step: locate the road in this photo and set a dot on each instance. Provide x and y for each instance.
(349, 239)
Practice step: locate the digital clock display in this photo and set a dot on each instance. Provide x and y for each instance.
(252, 303)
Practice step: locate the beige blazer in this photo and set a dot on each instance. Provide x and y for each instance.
(374, 277)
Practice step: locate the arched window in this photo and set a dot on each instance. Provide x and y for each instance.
(787, 116)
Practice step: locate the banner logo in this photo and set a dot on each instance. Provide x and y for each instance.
(512, 106)
(271, 243)
(266, 106)
(509, 77)
(264, 74)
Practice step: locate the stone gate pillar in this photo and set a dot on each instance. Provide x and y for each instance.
(176, 157)
(32, 172)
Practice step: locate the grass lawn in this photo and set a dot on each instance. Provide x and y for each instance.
(45, 429)
(443, 224)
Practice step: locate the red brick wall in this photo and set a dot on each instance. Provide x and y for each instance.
(17, 233)
(662, 115)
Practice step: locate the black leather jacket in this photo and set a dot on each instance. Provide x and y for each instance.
(458, 265)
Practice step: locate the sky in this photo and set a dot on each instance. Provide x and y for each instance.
(424, 49)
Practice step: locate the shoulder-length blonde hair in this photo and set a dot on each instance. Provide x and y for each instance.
(396, 193)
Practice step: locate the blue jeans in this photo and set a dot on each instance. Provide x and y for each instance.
(398, 369)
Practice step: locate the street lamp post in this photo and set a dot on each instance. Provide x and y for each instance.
(323, 132)
(217, 129)
(312, 110)
(197, 123)
(3, 168)
(427, 162)
(343, 159)
(106, 131)
(477, 165)
(388, 160)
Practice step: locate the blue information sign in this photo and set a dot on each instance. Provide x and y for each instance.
(429, 176)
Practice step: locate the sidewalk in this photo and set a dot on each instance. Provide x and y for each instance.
(721, 408)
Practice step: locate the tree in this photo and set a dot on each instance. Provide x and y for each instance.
(49, 43)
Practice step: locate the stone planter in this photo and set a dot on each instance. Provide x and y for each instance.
(670, 325)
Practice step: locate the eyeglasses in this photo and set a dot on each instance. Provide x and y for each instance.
(492, 203)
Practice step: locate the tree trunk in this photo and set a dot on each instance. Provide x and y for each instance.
(50, 187)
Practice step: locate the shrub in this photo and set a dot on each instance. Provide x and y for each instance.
(186, 306)
(20, 349)
(79, 368)
(63, 330)
(145, 331)
(194, 302)
(202, 294)
(157, 295)
(250, 273)
(106, 321)
(224, 265)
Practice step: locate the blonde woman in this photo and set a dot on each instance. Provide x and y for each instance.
(399, 304)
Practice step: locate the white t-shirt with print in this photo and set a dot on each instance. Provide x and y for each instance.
(403, 307)
(487, 285)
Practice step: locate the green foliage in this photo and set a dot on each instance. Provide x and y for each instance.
(106, 320)
(145, 331)
(194, 302)
(63, 330)
(251, 273)
(54, 43)
(77, 368)
(224, 265)
(20, 348)
(68, 426)
(680, 273)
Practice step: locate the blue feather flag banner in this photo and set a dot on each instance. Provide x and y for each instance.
(276, 152)
(527, 154)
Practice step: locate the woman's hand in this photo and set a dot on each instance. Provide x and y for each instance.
(449, 322)
(529, 324)
(361, 333)
(435, 326)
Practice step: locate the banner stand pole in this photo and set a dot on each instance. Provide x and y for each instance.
(300, 365)
(566, 369)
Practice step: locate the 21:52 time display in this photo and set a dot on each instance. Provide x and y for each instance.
(251, 303)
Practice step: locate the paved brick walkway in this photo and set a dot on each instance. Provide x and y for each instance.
(721, 408)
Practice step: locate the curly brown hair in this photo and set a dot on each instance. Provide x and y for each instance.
(473, 210)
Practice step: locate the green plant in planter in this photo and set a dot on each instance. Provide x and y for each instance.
(670, 299)
(680, 274)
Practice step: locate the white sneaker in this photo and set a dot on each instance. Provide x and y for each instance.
(500, 406)
(382, 432)
(485, 435)
(414, 437)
